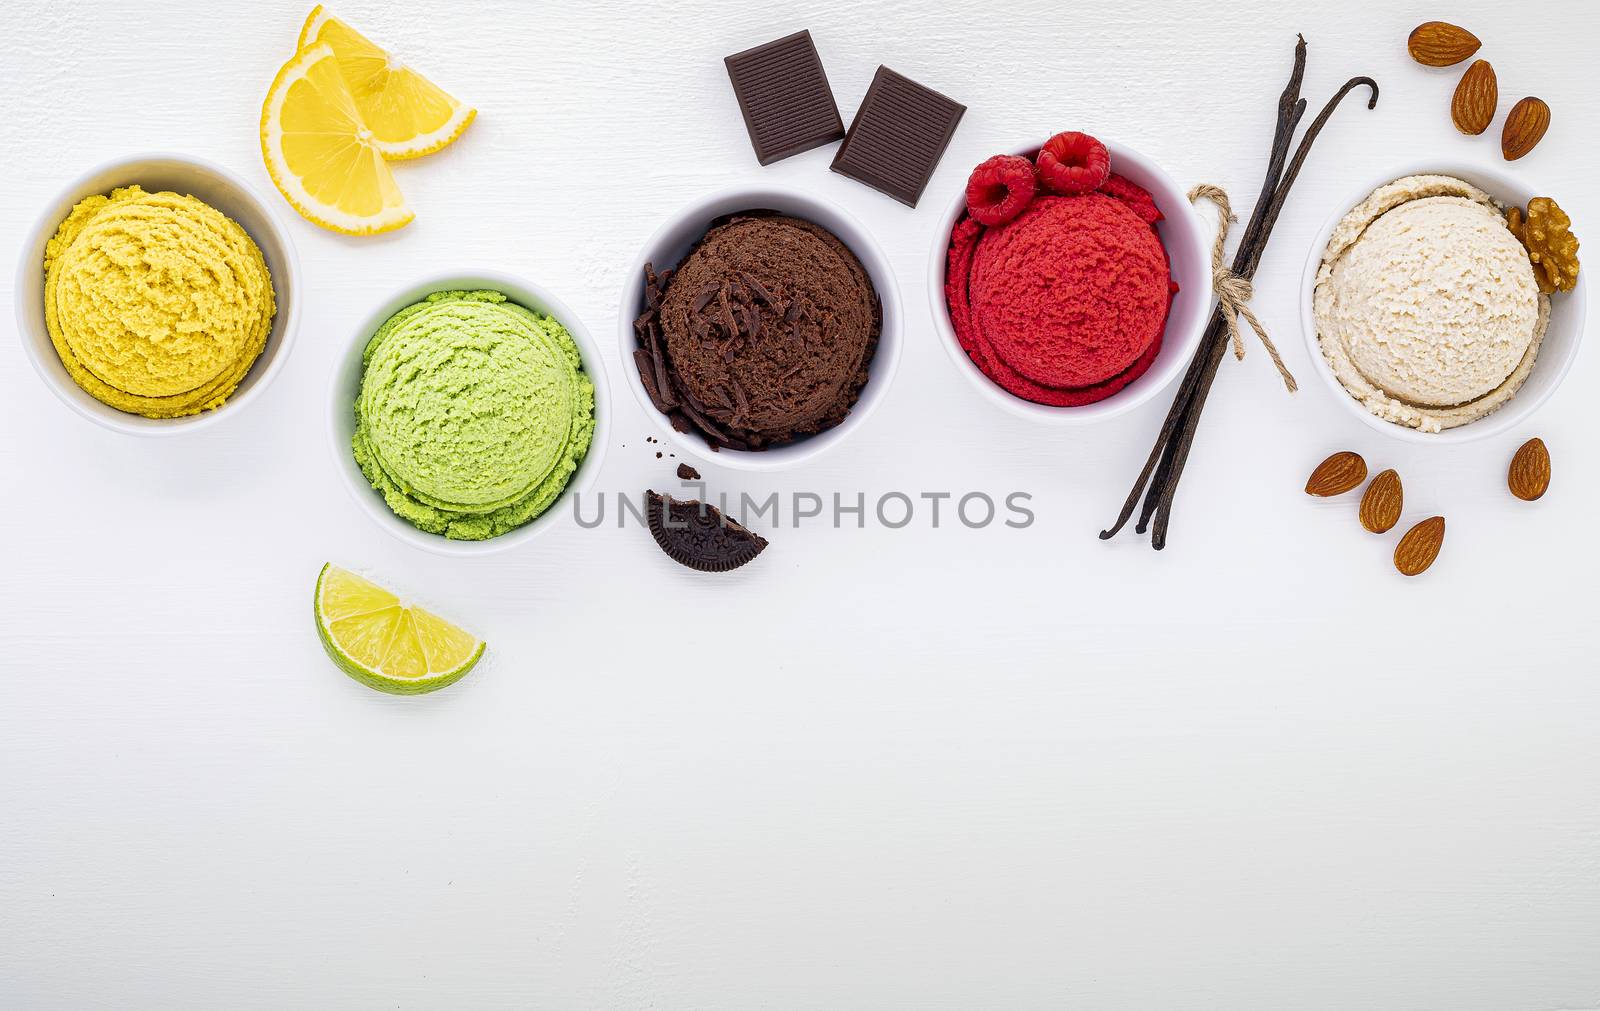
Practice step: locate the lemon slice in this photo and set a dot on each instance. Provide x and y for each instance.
(409, 115)
(380, 641)
(320, 154)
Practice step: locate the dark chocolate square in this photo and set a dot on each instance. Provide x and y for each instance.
(784, 95)
(898, 136)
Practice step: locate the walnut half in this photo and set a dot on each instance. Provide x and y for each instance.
(1546, 232)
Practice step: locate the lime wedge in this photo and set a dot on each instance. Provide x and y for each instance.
(385, 644)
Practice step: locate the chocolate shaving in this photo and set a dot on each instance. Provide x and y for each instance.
(731, 325)
(713, 432)
(755, 286)
(655, 286)
(659, 353)
(647, 375)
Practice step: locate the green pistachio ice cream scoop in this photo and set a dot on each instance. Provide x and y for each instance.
(473, 414)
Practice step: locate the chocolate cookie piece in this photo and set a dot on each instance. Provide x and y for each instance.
(697, 535)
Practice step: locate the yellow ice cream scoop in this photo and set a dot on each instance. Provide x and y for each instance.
(157, 303)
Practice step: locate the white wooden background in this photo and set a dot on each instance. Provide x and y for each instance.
(952, 768)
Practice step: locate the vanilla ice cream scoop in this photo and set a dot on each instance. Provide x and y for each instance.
(1426, 305)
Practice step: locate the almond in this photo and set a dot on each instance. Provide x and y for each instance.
(1382, 502)
(1476, 98)
(1525, 126)
(1419, 547)
(1529, 477)
(1441, 44)
(1337, 474)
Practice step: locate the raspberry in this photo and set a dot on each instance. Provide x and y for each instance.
(1000, 188)
(1073, 163)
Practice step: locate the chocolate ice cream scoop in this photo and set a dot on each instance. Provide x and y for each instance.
(762, 335)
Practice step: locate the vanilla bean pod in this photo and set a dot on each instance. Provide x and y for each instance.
(1163, 513)
(1157, 483)
(1290, 108)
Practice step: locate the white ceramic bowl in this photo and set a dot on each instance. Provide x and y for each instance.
(158, 172)
(347, 383)
(1556, 354)
(672, 241)
(1188, 242)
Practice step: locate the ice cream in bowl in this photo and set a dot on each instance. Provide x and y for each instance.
(1070, 282)
(759, 327)
(467, 412)
(157, 294)
(1432, 313)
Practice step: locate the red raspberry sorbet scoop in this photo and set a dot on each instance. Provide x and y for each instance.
(1067, 303)
(1072, 292)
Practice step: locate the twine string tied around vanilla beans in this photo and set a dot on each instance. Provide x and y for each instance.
(1234, 292)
